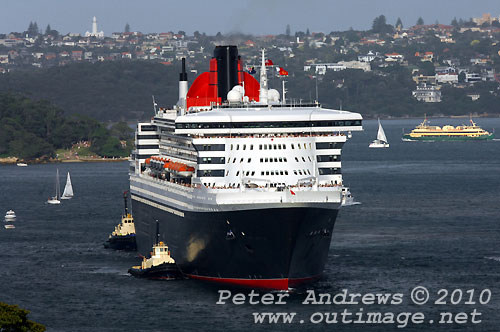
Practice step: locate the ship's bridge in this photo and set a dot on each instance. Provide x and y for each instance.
(267, 119)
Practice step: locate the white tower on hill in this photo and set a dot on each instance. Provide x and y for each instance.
(94, 32)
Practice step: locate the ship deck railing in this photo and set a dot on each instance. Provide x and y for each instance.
(190, 187)
(269, 135)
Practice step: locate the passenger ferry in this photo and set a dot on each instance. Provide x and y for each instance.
(424, 132)
(245, 186)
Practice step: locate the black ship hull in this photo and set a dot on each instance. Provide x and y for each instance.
(273, 248)
(126, 242)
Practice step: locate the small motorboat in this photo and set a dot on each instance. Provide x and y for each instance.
(9, 226)
(347, 199)
(10, 216)
(22, 164)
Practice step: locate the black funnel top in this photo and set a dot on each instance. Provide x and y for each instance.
(227, 69)
(183, 75)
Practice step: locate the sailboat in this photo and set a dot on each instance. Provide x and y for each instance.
(381, 141)
(68, 189)
(56, 198)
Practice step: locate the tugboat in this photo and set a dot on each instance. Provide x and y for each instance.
(123, 237)
(159, 266)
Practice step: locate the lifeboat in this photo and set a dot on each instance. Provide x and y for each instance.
(179, 168)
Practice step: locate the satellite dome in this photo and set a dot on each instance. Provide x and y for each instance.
(273, 95)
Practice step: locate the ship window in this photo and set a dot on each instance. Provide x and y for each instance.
(244, 146)
(284, 159)
(265, 146)
(292, 146)
(251, 147)
(247, 173)
(275, 160)
(234, 160)
(295, 172)
(296, 159)
(261, 172)
(249, 159)
(227, 172)
(237, 146)
(261, 160)
(267, 172)
(298, 145)
(272, 172)
(275, 146)
(281, 172)
(253, 173)
(266, 160)
(286, 172)
(231, 146)
(309, 172)
(309, 158)
(237, 173)
(305, 146)
(280, 160)
(279, 146)
(310, 146)
(260, 146)
(241, 160)
(303, 159)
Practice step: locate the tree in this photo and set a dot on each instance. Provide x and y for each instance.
(32, 29)
(380, 25)
(287, 31)
(308, 33)
(121, 130)
(454, 22)
(399, 23)
(127, 27)
(420, 21)
(48, 30)
(13, 318)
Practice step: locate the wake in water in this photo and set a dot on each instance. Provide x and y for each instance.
(496, 259)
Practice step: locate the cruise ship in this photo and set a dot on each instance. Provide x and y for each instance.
(245, 186)
(424, 132)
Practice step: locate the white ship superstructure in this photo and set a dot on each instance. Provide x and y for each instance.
(203, 169)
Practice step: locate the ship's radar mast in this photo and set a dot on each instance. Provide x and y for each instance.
(263, 80)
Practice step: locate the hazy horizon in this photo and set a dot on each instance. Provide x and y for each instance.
(258, 17)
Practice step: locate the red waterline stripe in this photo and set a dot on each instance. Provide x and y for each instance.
(278, 284)
(281, 284)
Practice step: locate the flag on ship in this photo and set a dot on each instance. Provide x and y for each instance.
(281, 71)
(269, 62)
(251, 70)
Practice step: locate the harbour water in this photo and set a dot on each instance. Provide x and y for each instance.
(430, 216)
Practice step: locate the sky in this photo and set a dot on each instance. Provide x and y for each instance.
(257, 17)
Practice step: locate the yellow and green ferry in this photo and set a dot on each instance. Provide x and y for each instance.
(424, 132)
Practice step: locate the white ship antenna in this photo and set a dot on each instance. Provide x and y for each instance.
(263, 80)
(284, 93)
(154, 104)
(317, 89)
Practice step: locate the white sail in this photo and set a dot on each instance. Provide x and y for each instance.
(58, 186)
(55, 199)
(68, 189)
(381, 133)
